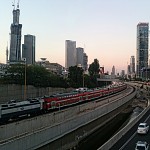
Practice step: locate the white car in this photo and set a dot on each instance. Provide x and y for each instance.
(143, 128)
(140, 145)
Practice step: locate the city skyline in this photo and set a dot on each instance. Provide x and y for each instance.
(106, 30)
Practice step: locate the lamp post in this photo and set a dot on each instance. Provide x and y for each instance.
(83, 78)
(141, 71)
(25, 81)
(146, 74)
(25, 76)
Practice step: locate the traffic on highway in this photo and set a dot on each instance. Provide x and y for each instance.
(137, 138)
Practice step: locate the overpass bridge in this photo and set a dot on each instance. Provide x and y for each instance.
(107, 79)
(80, 120)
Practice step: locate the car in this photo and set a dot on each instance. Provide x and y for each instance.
(143, 128)
(142, 145)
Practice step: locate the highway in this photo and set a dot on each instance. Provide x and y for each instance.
(129, 140)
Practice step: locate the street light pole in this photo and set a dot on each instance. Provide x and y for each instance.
(146, 74)
(25, 82)
(83, 78)
(25, 76)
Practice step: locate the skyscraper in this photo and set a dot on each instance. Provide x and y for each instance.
(132, 65)
(28, 49)
(15, 37)
(128, 70)
(70, 53)
(80, 51)
(142, 48)
(113, 70)
(85, 61)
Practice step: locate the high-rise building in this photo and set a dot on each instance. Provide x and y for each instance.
(70, 53)
(122, 73)
(142, 48)
(80, 51)
(28, 49)
(113, 70)
(85, 62)
(128, 70)
(132, 64)
(15, 37)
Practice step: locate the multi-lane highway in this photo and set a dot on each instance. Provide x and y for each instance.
(129, 140)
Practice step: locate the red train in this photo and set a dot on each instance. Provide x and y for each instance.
(66, 99)
(14, 109)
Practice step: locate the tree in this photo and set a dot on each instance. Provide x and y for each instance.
(14, 74)
(35, 75)
(89, 82)
(75, 76)
(94, 68)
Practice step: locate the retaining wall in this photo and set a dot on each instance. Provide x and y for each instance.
(13, 91)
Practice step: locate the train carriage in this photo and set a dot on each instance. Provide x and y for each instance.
(13, 110)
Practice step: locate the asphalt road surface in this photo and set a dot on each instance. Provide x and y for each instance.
(128, 141)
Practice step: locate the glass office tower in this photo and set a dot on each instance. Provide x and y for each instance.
(142, 48)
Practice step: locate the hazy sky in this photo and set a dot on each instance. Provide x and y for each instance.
(105, 28)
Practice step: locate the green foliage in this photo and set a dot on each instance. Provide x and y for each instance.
(90, 81)
(40, 77)
(94, 68)
(75, 76)
(35, 75)
(14, 74)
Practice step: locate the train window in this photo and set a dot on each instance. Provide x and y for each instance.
(13, 104)
(11, 101)
(4, 105)
(51, 96)
(33, 101)
(53, 103)
(46, 96)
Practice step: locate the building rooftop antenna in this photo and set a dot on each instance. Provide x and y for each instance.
(13, 4)
(18, 4)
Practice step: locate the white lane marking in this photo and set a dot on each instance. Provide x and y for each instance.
(127, 141)
(147, 118)
(132, 135)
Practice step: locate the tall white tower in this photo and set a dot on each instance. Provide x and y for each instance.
(70, 53)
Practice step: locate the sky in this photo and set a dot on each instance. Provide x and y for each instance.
(106, 29)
